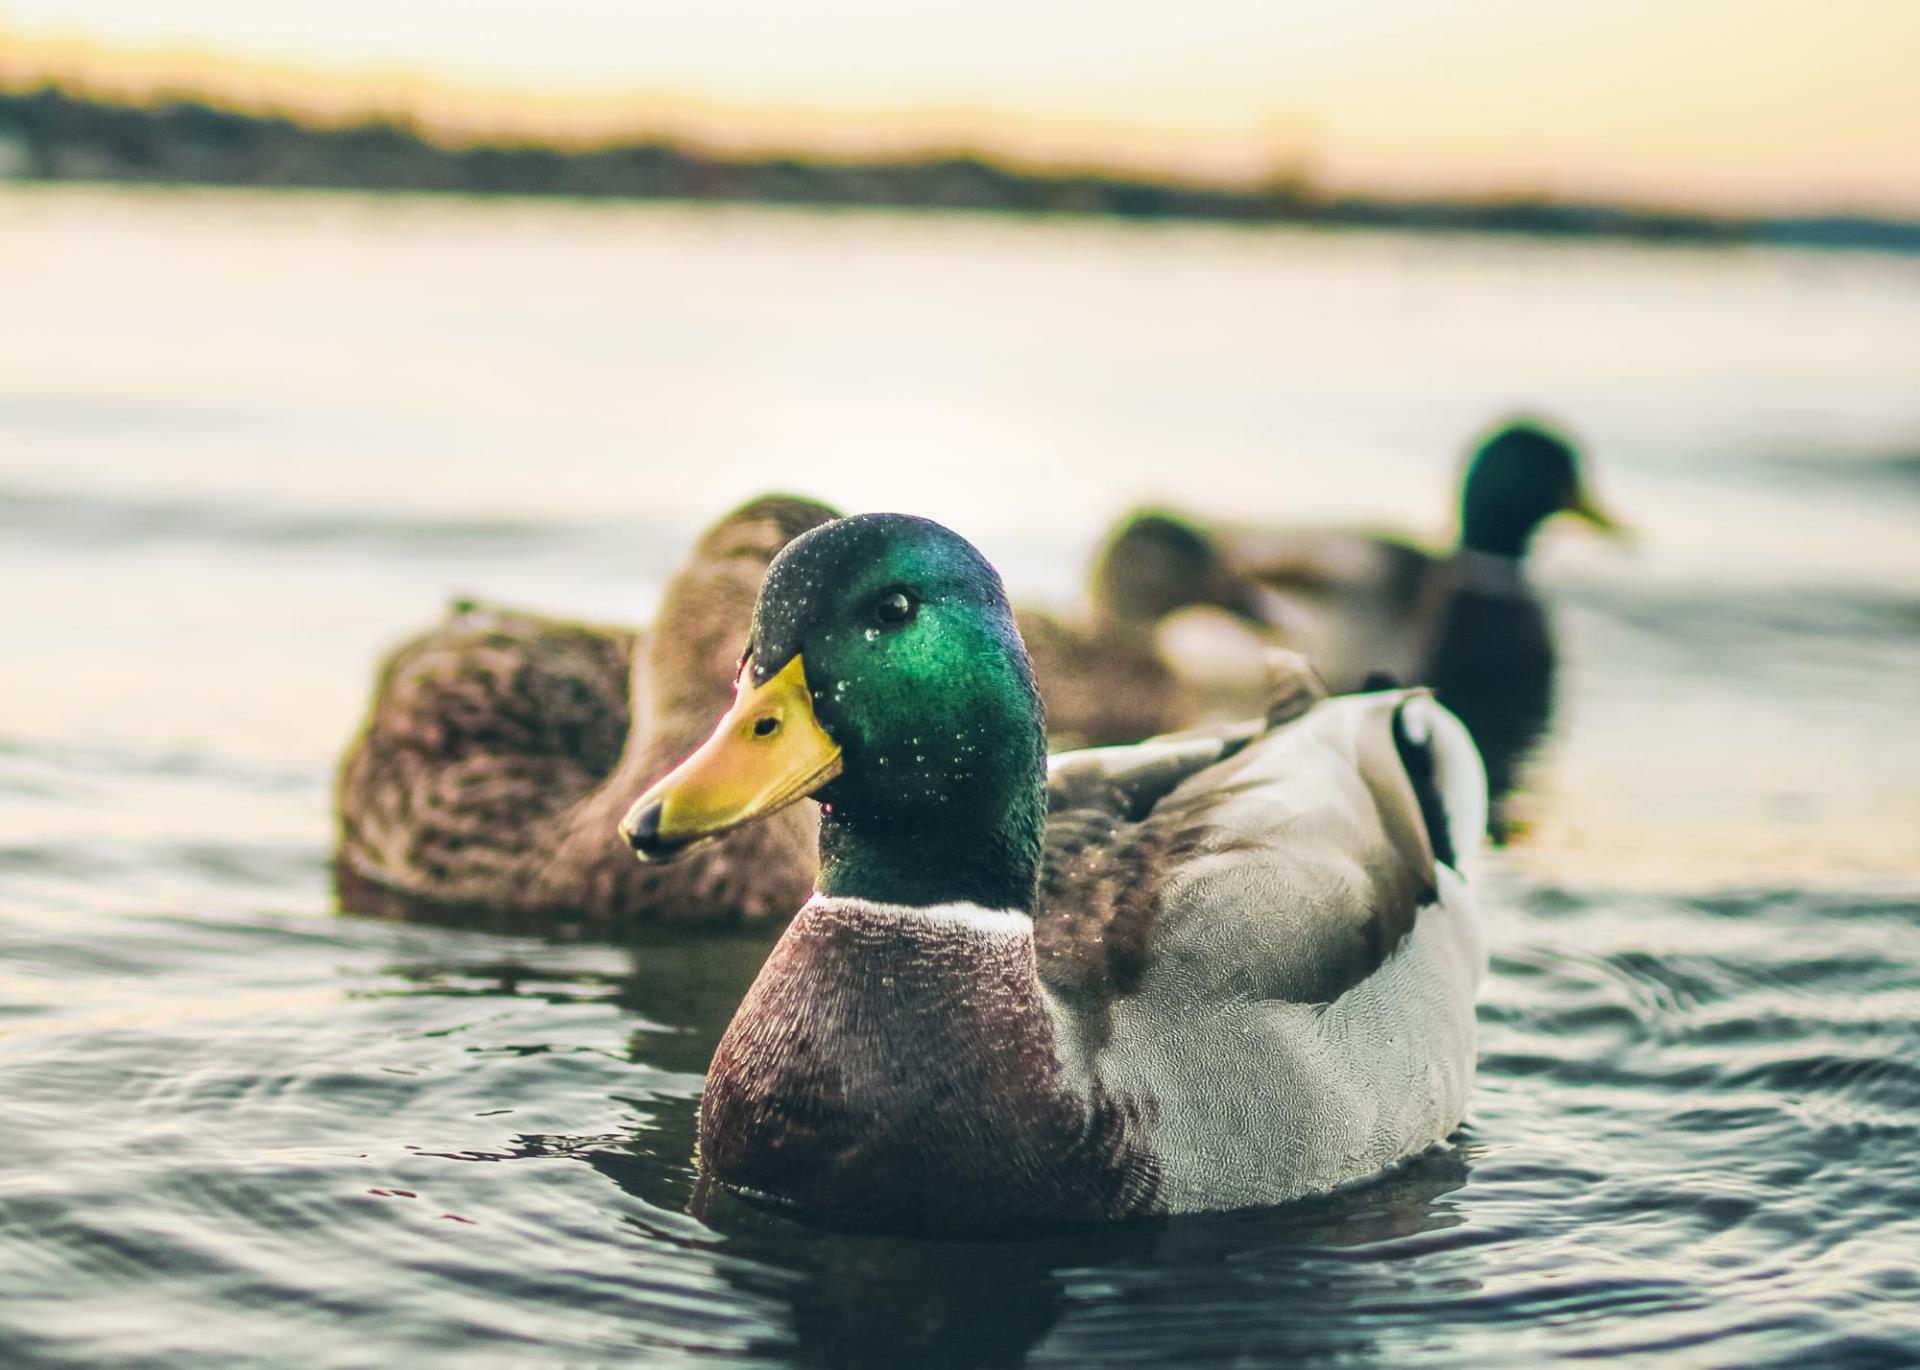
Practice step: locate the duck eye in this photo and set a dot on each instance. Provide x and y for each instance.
(766, 727)
(896, 606)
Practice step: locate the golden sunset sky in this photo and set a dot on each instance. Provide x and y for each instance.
(1759, 105)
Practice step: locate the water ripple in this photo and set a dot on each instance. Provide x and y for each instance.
(1685, 1140)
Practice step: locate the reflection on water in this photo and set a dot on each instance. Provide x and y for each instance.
(236, 1123)
(1696, 1126)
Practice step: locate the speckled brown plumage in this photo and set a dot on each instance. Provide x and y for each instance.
(501, 749)
(1102, 683)
(1114, 835)
(1100, 876)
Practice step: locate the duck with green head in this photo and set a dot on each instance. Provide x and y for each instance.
(1204, 973)
(1467, 623)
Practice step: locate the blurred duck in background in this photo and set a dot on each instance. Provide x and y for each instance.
(502, 747)
(1105, 679)
(1468, 623)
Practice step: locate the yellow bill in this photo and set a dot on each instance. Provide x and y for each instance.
(1584, 506)
(767, 752)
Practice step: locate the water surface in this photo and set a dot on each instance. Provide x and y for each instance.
(247, 441)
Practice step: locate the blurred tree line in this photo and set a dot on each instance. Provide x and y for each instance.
(48, 133)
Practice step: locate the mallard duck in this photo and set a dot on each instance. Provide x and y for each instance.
(1204, 973)
(1105, 679)
(502, 747)
(1468, 624)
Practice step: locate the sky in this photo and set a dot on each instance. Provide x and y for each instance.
(1745, 105)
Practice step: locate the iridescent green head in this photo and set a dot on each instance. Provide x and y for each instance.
(884, 676)
(1518, 478)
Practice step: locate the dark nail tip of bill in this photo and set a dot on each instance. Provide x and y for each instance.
(642, 833)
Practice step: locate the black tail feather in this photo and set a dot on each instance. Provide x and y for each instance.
(1417, 757)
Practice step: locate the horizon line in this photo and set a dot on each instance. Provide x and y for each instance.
(456, 112)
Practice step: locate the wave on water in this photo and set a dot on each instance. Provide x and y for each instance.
(1694, 1129)
(1755, 619)
(43, 768)
(116, 520)
(1876, 474)
(227, 420)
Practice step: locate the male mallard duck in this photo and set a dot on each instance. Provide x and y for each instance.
(1196, 974)
(1467, 624)
(502, 747)
(1105, 680)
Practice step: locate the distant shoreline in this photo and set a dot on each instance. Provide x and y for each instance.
(50, 134)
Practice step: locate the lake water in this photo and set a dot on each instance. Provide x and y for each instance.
(248, 441)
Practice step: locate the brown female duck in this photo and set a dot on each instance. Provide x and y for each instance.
(502, 747)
